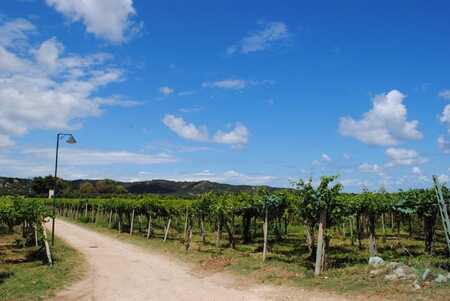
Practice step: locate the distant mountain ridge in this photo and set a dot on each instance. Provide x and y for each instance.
(10, 185)
(160, 186)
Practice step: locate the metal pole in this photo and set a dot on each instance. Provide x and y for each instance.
(443, 210)
(54, 189)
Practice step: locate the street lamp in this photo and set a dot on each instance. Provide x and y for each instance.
(70, 140)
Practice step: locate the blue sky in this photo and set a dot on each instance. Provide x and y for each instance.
(242, 92)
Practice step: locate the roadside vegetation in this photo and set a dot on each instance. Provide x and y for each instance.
(25, 271)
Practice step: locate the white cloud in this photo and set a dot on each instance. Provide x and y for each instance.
(445, 94)
(445, 116)
(48, 53)
(77, 163)
(444, 144)
(236, 137)
(403, 156)
(385, 124)
(185, 130)
(47, 89)
(187, 93)
(350, 182)
(76, 157)
(194, 109)
(204, 173)
(235, 84)
(166, 91)
(108, 19)
(118, 101)
(14, 33)
(443, 178)
(371, 168)
(5, 141)
(237, 177)
(261, 40)
(9, 62)
(229, 84)
(229, 176)
(416, 170)
(325, 158)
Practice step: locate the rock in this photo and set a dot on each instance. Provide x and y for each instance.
(440, 279)
(392, 265)
(416, 285)
(375, 260)
(376, 272)
(402, 272)
(426, 274)
(391, 277)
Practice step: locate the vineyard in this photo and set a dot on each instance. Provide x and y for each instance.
(317, 227)
(232, 220)
(27, 213)
(29, 268)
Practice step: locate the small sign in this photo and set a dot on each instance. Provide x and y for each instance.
(51, 193)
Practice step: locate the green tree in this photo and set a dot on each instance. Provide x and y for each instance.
(120, 189)
(105, 186)
(41, 185)
(87, 188)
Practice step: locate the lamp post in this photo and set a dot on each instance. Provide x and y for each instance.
(70, 140)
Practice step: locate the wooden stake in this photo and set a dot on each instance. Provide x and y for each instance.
(320, 255)
(219, 232)
(47, 246)
(149, 228)
(265, 228)
(185, 225)
(132, 222)
(167, 229)
(351, 230)
(202, 230)
(188, 242)
(110, 218)
(36, 240)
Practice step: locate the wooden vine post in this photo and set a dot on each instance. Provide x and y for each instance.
(320, 252)
(149, 228)
(47, 246)
(167, 229)
(351, 231)
(372, 236)
(110, 218)
(186, 225)
(120, 223)
(219, 234)
(132, 222)
(202, 230)
(36, 241)
(188, 241)
(265, 230)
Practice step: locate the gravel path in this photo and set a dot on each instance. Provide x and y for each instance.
(121, 271)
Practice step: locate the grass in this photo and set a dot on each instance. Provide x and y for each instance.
(288, 263)
(24, 276)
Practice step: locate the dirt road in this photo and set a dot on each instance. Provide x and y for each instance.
(121, 271)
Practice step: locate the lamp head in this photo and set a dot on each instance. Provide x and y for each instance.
(71, 140)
